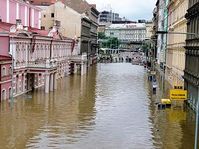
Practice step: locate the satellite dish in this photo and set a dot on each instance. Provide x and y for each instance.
(13, 29)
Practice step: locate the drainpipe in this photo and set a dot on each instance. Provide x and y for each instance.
(197, 122)
(51, 48)
(0, 84)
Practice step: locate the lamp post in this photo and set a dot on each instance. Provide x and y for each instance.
(153, 56)
(197, 106)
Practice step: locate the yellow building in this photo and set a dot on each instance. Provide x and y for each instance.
(149, 30)
(69, 19)
(175, 55)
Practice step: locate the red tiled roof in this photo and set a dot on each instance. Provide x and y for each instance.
(5, 58)
(5, 27)
(38, 31)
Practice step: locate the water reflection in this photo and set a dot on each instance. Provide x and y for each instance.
(50, 120)
(172, 128)
(110, 108)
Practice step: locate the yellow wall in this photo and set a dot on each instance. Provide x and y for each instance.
(149, 29)
(70, 19)
(176, 42)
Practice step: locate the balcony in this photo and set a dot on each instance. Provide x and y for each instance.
(78, 58)
(48, 64)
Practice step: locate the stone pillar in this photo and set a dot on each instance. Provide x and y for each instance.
(55, 81)
(47, 81)
(82, 69)
(51, 82)
(75, 68)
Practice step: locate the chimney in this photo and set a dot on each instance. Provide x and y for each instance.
(18, 21)
(57, 23)
(18, 24)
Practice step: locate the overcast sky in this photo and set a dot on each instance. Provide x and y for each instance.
(131, 9)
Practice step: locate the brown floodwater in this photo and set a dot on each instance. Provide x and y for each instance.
(112, 107)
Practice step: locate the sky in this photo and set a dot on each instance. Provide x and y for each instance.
(130, 9)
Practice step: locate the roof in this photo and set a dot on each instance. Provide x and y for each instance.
(5, 58)
(38, 31)
(127, 26)
(5, 27)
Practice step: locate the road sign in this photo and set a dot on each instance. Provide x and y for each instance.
(178, 94)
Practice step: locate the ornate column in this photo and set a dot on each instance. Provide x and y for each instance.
(47, 83)
(55, 80)
(51, 82)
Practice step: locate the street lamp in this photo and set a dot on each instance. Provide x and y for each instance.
(197, 106)
(153, 47)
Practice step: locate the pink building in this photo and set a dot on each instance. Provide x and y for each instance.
(40, 57)
(11, 10)
(5, 79)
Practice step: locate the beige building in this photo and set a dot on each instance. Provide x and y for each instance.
(175, 56)
(70, 20)
(149, 30)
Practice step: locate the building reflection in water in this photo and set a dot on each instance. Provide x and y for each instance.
(50, 120)
(173, 128)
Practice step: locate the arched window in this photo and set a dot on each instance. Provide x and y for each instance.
(3, 94)
(3, 71)
(10, 93)
(10, 70)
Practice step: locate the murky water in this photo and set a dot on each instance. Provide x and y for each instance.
(110, 108)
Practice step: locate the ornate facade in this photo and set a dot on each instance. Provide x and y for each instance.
(39, 57)
(191, 73)
(5, 77)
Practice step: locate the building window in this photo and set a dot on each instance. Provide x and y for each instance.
(44, 15)
(42, 27)
(10, 93)
(10, 70)
(3, 73)
(3, 95)
(52, 15)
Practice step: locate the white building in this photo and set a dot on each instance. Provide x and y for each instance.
(127, 33)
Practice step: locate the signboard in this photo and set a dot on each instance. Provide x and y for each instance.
(178, 94)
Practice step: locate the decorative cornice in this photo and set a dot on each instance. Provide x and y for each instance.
(191, 77)
(193, 11)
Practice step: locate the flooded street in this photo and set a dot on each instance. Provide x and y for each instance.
(111, 107)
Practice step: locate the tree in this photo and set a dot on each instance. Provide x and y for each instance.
(108, 42)
(101, 35)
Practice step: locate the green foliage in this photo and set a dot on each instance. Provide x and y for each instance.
(101, 35)
(108, 42)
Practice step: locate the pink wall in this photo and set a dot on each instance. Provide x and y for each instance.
(22, 13)
(28, 16)
(4, 47)
(7, 85)
(13, 12)
(36, 19)
(3, 10)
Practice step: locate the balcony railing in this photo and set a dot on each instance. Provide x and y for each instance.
(45, 65)
(78, 58)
